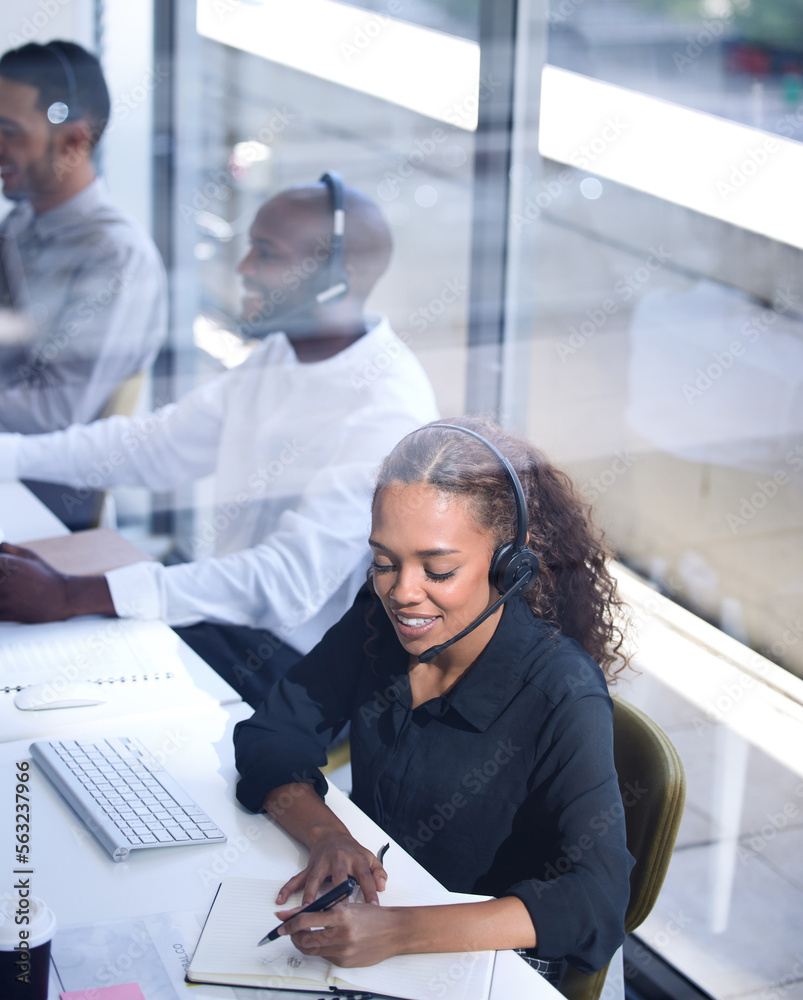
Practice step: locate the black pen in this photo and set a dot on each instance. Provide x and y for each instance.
(326, 902)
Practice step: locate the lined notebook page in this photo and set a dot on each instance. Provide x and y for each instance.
(244, 910)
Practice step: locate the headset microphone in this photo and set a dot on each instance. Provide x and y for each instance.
(514, 567)
(433, 651)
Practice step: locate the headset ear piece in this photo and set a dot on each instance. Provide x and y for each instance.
(337, 276)
(510, 565)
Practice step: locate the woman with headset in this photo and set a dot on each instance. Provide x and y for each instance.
(474, 681)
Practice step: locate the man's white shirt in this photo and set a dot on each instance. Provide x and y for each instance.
(294, 449)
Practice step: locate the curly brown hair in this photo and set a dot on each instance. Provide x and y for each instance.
(573, 590)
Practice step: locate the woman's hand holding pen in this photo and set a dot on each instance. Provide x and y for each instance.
(336, 854)
(350, 935)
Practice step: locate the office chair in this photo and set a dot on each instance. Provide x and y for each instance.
(338, 755)
(81, 509)
(642, 753)
(125, 397)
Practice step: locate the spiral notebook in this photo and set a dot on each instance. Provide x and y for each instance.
(134, 665)
(244, 910)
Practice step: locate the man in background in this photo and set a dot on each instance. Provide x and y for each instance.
(293, 436)
(87, 283)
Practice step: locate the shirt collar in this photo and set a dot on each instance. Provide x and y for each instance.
(490, 685)
(378, 329)
(75, 209)
(499, 673)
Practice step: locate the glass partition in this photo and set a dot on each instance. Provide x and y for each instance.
(666, 352)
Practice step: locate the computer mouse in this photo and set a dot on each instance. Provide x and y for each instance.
(74, 694)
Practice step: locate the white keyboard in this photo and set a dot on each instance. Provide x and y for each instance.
(124, 795)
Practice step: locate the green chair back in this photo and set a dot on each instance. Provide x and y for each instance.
(653, 786)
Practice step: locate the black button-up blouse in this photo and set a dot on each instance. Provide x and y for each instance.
(504, 786)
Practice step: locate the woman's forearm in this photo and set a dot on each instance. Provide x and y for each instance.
(334, 853)
(364, 935)
(494, 925)
(299, 810)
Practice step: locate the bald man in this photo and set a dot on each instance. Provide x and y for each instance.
(293, 437)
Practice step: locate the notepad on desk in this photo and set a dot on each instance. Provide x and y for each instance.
(133, 667)
(87, 553)
(244, 909)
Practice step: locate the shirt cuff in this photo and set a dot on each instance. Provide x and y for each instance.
(136, 590)
(9, 451)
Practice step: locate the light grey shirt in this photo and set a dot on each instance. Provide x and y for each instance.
(91, 287)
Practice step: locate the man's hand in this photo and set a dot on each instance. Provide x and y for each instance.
(31, 590)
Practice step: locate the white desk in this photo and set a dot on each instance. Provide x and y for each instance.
(91, 647)
(144, 915)
(145, 912)
(23, 517)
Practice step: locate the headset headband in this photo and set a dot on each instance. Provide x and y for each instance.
(58, 111)
(515, 483)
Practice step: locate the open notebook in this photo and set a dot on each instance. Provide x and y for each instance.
(135, 667)
(244, 910)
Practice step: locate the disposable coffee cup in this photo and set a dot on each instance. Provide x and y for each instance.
(25, 949)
